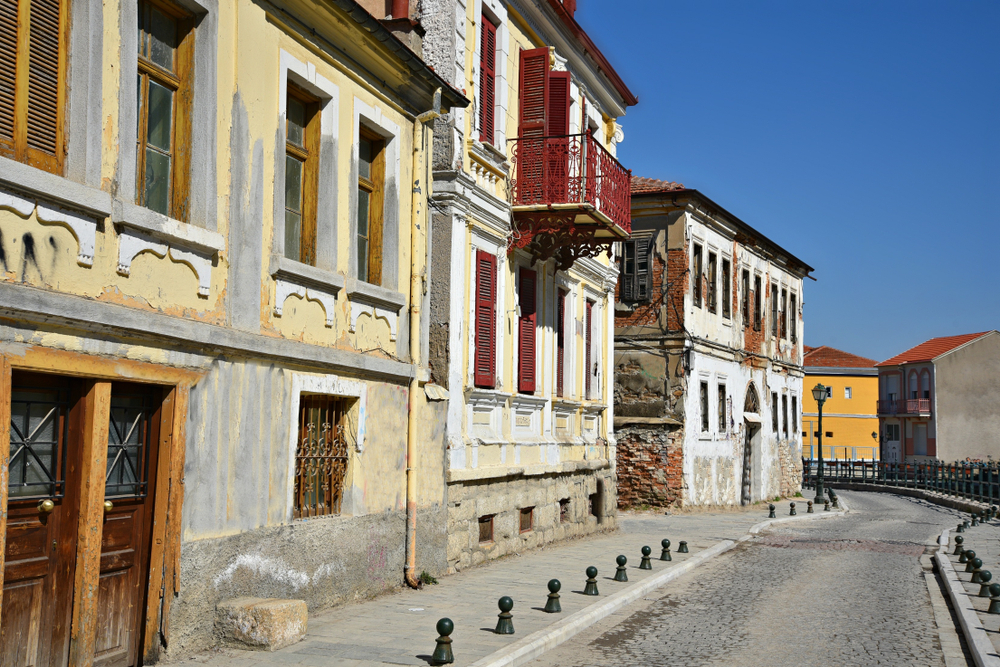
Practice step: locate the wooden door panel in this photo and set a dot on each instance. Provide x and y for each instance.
(22, 623)
(114, 631)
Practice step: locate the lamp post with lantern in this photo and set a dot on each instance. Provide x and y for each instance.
(819, 393)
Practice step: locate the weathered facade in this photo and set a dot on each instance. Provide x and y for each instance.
(708, 355)
(200, 319)
(527, 200)
(939, 401)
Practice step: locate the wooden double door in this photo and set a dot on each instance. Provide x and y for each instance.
(68, 434)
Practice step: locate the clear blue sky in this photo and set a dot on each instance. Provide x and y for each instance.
(863, 137)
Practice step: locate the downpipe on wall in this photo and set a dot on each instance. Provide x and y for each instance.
(419, 166)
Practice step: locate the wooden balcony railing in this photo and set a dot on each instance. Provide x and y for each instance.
(905, 406)
(560, 171)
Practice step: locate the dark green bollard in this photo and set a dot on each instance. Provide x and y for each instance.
(791, 509)
(964, 557)
(994, 599)
(977, 569)
(770, 512)
(961, 528)
(620, 573)
(975, 519)
(958, 545)
(644, 564)
(505, 624)
(809, 507)
(591, 587)
(552, 605)
(984, 579)
(836, 501)
(665, 552)
(826, 505)
(965, 524)
(442, 650)
(970, 557)
(682, 547)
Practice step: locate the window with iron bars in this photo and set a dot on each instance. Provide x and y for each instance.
(320, 456)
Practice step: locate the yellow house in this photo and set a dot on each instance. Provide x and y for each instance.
(850, 421)
(213, 249)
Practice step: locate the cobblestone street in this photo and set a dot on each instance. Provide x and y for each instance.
(849, 591)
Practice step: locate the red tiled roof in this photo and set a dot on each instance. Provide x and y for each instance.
(831, 357)
(642, 185)
(806, 349)
(931, 349)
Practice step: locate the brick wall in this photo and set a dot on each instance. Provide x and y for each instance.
(644, 314)
(650, 465)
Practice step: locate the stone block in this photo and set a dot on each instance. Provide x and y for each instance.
(261, 624)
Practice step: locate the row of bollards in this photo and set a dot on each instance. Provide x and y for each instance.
(443, 653)
(809, 507)
(974, 564)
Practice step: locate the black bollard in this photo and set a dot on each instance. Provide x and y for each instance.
(965, 524)
(977, 569)
(442, 650)
(836, 501)
(958, 545)
(552, 605)
(994, 599)
(975, 519)
(644, 564)
(591, 587)
(682, 547)
(984, 579)
(770, 512)
(791, 510)
(620, 573)
(961, 528)
(964, 556)
(665, 552)
(505, 624)
(809, 507)
(970, 556)
(826, 505)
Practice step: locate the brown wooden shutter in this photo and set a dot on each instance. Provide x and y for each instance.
(557, 106)
(643, 272)
(375, 220)
(8, 74)
(526, 333)
(561, 342)
(626, 280)
(484, 369)
(487, 81)
(587, 326)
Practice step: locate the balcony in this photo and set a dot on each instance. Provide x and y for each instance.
(571, 197)
(920, 407)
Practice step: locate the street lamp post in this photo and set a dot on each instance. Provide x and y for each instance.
(819, 393)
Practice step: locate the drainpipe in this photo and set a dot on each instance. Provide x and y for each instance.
(400, 9)
(417, 278)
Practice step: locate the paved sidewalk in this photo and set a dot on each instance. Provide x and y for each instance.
(398, 629)
(985, 541)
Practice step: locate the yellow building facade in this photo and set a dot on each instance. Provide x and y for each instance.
(850, 421)
(214, 253)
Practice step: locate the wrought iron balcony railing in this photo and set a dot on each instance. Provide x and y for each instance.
(571, 171)
(905, 406)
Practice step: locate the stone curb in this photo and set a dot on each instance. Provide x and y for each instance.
(979, 643)
(537, 643)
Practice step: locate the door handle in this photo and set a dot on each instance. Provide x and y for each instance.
(46, 506)
(108, 505)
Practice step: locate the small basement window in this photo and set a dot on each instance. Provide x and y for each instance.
(527, 519)
(564, 510)
(486, 529)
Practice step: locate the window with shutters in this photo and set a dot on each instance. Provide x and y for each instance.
(635, 274)
(793, 307)
(302, 137)
(774, 310)
(561, 343)
(784, 313)
(712, 282)
(703, 405)
(774, 412)
(758, 306)
(526, 322)
(33, 81)
(784, 414)
(726, 289)
(795, 410)
(696, 275)
(487, 80)
(722, 408)
(745, 288)
(486, 294)
(588, 365)
(163, 99)
(371, 197)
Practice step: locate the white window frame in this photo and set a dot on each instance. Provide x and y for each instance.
(481, 240)
(497, 13)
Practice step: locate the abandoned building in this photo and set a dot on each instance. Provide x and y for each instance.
(528, 198)
(708, 355)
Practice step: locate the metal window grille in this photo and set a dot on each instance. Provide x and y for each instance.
(320, 457)
(130, 429)
(38, 432)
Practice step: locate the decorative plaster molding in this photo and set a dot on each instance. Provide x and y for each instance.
(84, 228)
(284, 289)
(377, 302)
(130, 245)
(19, 205)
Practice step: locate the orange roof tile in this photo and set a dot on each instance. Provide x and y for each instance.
(831, 357)
(642, 186)
(931, 349)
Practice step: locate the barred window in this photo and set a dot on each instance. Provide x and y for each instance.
(320, 456)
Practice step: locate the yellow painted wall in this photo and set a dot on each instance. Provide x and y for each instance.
(848, 432)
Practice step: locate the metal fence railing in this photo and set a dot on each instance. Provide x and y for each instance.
(972, 481)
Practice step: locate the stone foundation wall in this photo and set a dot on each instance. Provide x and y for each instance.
(791, 468)
(504, 497)
(650, 465)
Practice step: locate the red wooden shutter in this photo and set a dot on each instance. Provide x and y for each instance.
(560, 342)
(484, 367)
(487, 81)
(587, 326)
(557, 106)
(526, 333)
(534, 92)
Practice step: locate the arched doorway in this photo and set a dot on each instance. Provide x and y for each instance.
(751, 440)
